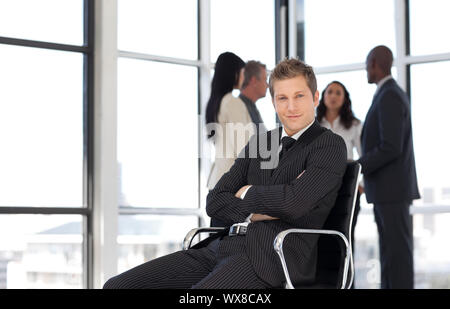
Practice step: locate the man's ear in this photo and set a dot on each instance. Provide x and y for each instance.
(316, 98)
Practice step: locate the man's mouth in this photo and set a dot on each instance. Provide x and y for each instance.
(293, 116)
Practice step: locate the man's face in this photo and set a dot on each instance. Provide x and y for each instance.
(294, 103)
(370, 70)
(261, 84)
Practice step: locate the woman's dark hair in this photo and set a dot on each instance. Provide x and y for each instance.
(226, 76)
(347, 117)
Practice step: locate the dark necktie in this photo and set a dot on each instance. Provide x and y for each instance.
(286, 143)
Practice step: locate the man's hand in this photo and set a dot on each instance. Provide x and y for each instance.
(241, 190)
(260, 217)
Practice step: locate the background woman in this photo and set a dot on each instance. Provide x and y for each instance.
(224, 108)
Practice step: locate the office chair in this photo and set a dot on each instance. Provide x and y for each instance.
(335, 267)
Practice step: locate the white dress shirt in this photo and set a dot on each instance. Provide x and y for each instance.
(351, 136)
(382, 82)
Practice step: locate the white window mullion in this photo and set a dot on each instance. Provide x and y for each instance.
(205, 89)
(105, 209)
(400, 38)
(292, 5)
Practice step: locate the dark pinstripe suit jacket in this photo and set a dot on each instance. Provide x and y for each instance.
(298, 203)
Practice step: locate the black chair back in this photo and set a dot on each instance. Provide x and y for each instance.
(331, 251)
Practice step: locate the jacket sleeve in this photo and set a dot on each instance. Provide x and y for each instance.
(221, 202)
(323, 173)
(391, 116)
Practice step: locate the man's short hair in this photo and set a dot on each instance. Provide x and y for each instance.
(252, 68)
(291, 68)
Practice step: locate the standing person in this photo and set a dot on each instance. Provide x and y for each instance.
(254, 87)
(389, 170)
(297, 192)
(234, 119)
(335, 113)
(223, 108)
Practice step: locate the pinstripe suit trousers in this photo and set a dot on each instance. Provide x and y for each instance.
(223, 264)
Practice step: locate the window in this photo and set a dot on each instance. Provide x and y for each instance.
(250, 35)
(246, 28)
(429, 111)
(366, 258)
(158, 124)
(45, 103)
(157, 134)
(431, 257)
(44, 20)
(429, 24)
(41, 251)
(145, 237)
(41, 127)
(343, 32)
(148, 27)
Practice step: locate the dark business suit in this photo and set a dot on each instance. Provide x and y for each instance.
(390, 181)
(249, 261)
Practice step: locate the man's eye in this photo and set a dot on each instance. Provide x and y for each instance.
(299, 95)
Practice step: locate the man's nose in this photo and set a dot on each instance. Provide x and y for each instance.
(291, 105)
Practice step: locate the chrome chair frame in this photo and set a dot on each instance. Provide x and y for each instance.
(187, 242)
(348, 261)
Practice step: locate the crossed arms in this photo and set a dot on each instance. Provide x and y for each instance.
(257, 217)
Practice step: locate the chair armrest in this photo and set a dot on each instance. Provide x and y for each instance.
(278, 246)
(191, 234)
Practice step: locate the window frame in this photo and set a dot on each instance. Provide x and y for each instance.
(85, 210)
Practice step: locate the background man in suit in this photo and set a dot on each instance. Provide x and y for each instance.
(389, 170)
(253, 88)
(298, 191)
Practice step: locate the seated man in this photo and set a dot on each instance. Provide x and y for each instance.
(263, 196)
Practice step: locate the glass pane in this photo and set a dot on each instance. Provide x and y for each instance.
(41, 251)
(431, 255)
(44, 20)
(429, 17)
(430, 110)
(41, 127)
(146, 237)
(166, 28)
(246, 28)
(341, 32)
(157, 134)
(361, 93)
(366, 259)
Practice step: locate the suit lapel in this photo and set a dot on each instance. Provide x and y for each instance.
(307, 137)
